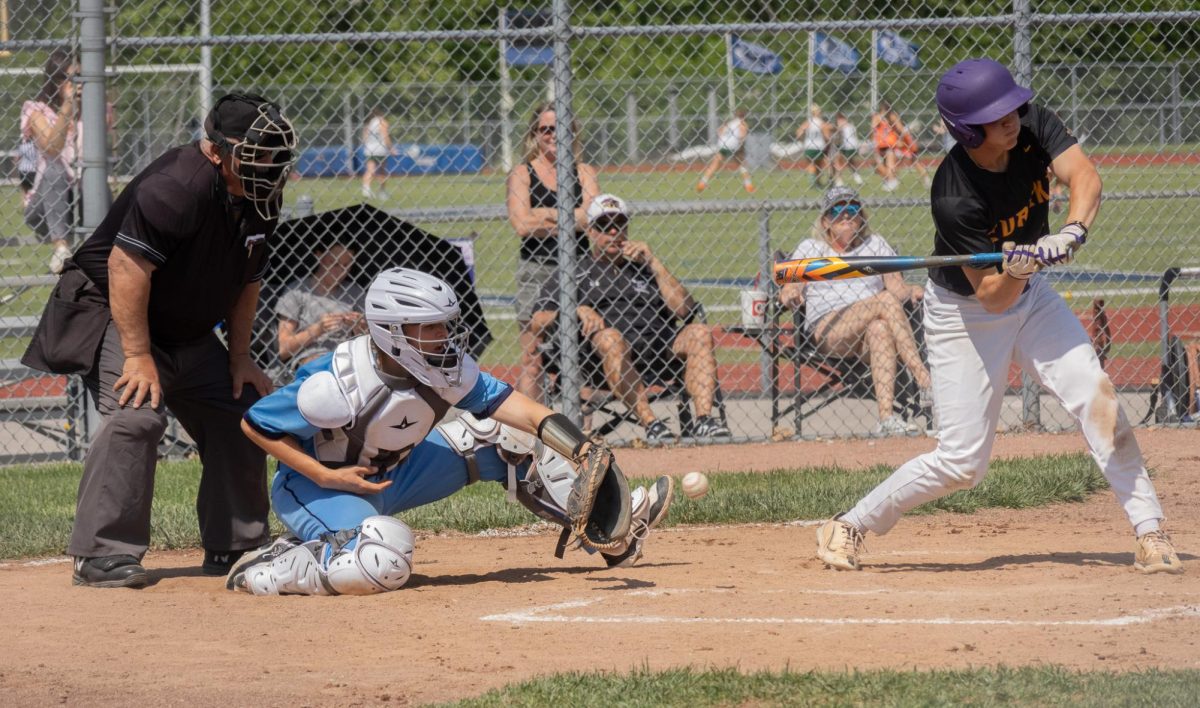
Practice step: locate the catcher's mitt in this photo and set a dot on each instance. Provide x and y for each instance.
(598, 507)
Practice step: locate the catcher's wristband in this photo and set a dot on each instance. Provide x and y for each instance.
(561, 435)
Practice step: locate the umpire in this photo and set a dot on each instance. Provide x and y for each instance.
(182, 249)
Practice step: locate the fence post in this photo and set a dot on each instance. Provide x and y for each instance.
(673, 119)
(631, 127)
(713, 120)
(1022, 43)
(92, 41)
(568, 330)
(766, 282)
(205, 58)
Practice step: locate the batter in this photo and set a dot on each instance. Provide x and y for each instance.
(992, 194)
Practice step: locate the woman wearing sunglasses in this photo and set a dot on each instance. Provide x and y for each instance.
(862, 316)
(532, 202)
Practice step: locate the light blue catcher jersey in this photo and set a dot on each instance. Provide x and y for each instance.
(343, 413)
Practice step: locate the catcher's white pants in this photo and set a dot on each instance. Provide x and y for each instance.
(970, 352)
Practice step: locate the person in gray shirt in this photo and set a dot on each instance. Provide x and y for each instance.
(319, 311)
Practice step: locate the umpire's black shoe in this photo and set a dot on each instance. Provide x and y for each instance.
(110, 572)
(219, 562)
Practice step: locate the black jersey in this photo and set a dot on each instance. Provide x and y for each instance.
(177, 215)
(976, 211)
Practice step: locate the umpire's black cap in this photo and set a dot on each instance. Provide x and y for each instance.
(233, 114)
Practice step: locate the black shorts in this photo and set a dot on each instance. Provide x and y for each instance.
(652, 356)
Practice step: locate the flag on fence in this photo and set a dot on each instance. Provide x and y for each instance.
(895, 49)
(523, 52)
(834, 53)
(754, 58)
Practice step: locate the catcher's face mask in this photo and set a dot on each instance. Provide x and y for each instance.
(263, 158)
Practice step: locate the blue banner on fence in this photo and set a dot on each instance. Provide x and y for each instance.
(834, 53)
(895, 49)
(756, 59)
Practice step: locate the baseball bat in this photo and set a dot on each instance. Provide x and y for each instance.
(807, 270)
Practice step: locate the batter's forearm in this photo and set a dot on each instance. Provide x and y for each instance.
(1084, 202)
(129, 301)
(241, 320)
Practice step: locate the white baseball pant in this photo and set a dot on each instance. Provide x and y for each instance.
(970, 352)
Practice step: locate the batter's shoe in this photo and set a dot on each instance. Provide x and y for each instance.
(219, 562)
(236, 580)
(110, 572)
(839, 544)
(650, 506)
(1156, 554)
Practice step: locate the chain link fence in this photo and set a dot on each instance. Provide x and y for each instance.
(422, 145)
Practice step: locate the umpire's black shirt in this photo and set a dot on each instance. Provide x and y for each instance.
(205, 248)
(976, 211)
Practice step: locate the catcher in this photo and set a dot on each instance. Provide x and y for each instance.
(356, 441)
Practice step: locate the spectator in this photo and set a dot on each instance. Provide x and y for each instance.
(532, 199)
(847, 149)
(815, 135)
(377, 147)
(48, 121)
(731, 145)
(321, 310)
(907, 151)
(862, 316)
(886, 139)
(628, 303)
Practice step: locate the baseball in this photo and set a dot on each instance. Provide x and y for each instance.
(695, 485)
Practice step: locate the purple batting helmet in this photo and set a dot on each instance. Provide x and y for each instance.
(974, 92)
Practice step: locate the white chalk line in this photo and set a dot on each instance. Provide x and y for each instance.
(543, 614)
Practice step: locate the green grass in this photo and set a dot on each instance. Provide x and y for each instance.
(37, 503)
(1042, 686)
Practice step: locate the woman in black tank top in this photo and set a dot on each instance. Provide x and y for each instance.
(532, 202)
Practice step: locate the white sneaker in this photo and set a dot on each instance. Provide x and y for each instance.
(367, 193)
(839, 182)
(650, 506)
(927, 180)
(891, 426)
(857, 179)
(890, 185)
(59, 259)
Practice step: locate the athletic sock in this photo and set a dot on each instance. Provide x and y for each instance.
(1145, 527)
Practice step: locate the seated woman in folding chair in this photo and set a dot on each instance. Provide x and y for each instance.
(863, 316)
(628, 304)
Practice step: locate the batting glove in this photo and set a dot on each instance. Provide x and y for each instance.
(1060, 248)
(1021, 261)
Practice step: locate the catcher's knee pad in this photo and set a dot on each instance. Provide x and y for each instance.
(380, 561)
(466, 434)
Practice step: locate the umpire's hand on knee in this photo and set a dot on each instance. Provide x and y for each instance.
(139, 379)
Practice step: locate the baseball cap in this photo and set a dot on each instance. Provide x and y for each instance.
(607, 205)
(233, 114)
(839, 195)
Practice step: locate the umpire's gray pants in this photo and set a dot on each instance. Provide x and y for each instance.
(112, 515)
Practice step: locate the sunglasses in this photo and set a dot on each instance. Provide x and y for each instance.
(606, 224)
(839, 210)
(545, 129)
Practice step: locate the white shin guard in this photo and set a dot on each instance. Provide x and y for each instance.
(380, 561)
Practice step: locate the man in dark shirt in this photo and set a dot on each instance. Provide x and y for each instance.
(628, 303)
(991, 194)
(182, 249)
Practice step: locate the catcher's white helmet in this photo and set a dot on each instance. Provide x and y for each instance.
(400, 296)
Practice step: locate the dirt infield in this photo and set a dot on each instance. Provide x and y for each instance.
(1052, 585)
